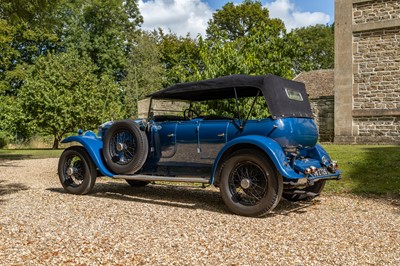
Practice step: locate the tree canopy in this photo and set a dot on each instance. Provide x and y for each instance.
(62, 93)
(319, 41)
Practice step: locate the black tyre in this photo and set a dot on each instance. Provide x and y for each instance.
(316, 188)
(76, 170)
(249, 184)
(137, 183)
(125, 147)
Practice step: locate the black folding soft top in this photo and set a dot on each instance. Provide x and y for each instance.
(285, 98)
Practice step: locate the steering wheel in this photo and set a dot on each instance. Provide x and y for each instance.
(190, 113)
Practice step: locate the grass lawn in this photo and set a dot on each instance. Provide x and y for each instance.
(21, 154)
(367, 169)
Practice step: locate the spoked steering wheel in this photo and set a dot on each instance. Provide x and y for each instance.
(190, 113)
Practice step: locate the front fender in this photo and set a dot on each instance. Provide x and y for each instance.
(269, 146)
(93, 146)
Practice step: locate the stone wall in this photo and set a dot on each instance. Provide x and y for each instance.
(368, 31)
(378, 130)
(377, 69)
(374, 11)
(323, 110)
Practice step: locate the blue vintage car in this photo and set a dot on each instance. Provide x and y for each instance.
(254, 161)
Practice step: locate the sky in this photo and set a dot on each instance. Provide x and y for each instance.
(191, 16)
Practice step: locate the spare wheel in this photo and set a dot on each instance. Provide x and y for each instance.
(125, 147)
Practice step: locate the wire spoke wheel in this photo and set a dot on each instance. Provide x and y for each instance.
(76, 170)
(123, 147)
(249, 184)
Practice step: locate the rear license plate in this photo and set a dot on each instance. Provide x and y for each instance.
(321, 172)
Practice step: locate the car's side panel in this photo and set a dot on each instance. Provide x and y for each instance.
(186, 144)
(94, 147)
(212, 137)
(269, 146)
(167, 133)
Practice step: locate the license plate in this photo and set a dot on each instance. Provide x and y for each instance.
(321, 172)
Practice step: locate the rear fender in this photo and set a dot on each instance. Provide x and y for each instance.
(271, 148)
(319, 153)
(94, 147)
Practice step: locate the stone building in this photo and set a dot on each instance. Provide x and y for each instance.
(367, 71)
(320, 89)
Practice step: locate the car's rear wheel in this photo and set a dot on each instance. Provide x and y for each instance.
(137, 183)
(316, 188)
(76, 171)
(125, 147)
(249, 184)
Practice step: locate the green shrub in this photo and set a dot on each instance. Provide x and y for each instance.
(4, 138)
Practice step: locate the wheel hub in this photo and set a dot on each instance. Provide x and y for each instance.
(245, 183)
(120, 147)
(71, 171)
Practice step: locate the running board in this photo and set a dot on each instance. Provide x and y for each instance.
(163, 178)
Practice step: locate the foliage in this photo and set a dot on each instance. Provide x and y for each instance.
(34, 12)
(179, 56)
(242, 39)
(20, 45)
(144, 72)
(238, 21)
(103, 30)
(63, 93)
(319, 41)
(13, 126)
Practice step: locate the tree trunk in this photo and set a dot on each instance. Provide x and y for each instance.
(56, 142)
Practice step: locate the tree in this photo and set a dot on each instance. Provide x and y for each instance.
(237, 21)
(242, 39)
(34, 12)
(13, 124)
(318, 40)
(144, 71)
(103, 30)
(179, 56)
(62, 93)
(26, 33)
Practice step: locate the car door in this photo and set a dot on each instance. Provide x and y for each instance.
(167, 135)
(212, 137)
(187, 143)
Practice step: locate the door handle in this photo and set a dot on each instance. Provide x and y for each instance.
(221, 135)
(170, 135)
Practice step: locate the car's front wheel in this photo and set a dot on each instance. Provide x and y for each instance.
(249, 184)
(76, 170)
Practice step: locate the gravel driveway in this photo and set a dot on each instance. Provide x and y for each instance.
(169, 225)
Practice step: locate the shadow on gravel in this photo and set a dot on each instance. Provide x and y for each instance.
(8, 164)
(10, 188)
(188, 197)
(11, 157)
